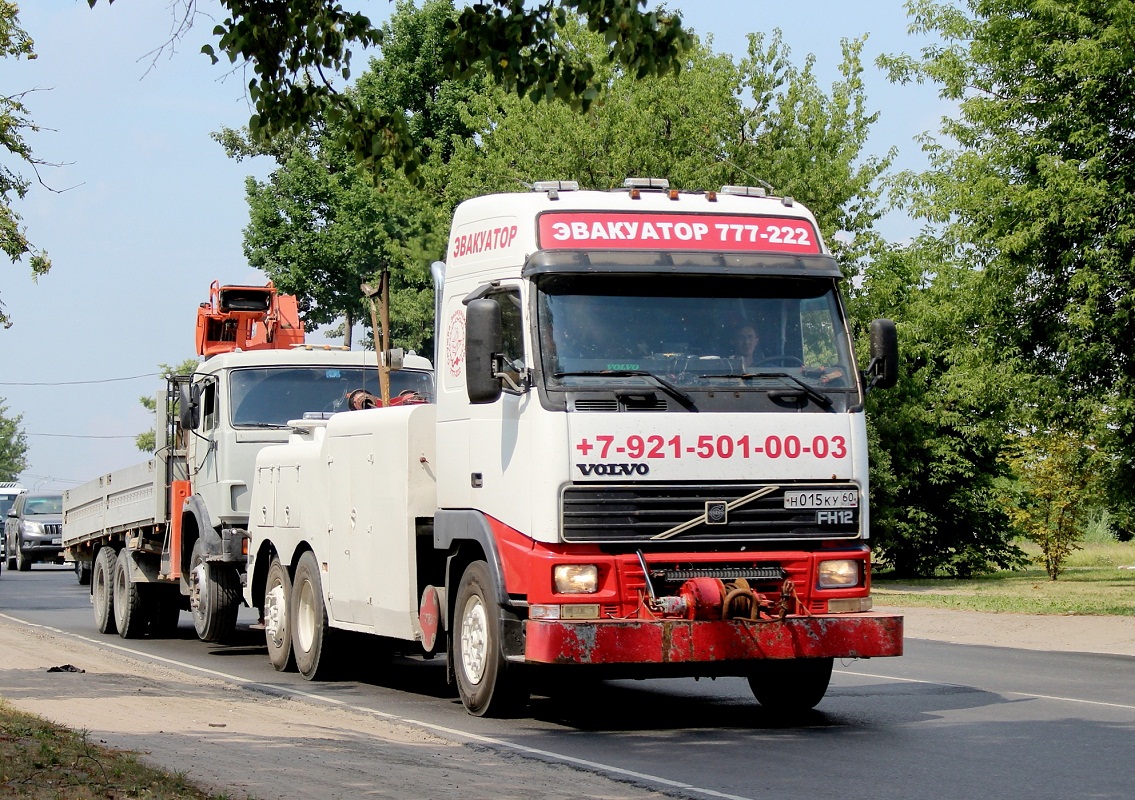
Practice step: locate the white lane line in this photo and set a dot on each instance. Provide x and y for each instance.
(1030, 695)
(597, 766)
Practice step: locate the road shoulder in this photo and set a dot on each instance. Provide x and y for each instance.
(246, 743)
(1071, 633)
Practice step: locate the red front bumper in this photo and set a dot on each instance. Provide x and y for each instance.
(680, 641)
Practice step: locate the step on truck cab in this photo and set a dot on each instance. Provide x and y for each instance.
(648, 457)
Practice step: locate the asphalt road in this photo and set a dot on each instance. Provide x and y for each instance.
(943, 721)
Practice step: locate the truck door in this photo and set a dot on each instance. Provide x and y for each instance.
(500, 445)
(203, 466)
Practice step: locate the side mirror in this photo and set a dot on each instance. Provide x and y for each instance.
(189, 410)
(883, 371)
(484, 337)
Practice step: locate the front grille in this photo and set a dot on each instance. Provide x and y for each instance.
(53, 529)
(754, 574)
(650, 513)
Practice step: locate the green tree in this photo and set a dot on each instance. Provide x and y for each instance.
(319, 226)
(14, 125)
(1036, 191)
(296, 50)
(147, 440)
(1053, 494)
(13, 445)
(937, 438)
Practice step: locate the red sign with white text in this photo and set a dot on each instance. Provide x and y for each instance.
(612, 230)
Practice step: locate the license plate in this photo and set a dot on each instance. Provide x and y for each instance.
(844, 498)
(57, 540)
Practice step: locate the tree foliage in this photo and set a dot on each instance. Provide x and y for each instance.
(319, 226)
(1036, 190)
(14, 125)
(296, 51)
(937, 437)
(1053, 494)
(13, 445)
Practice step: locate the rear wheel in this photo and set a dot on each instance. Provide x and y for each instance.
(83, 573)
(214, 597)
(487, 684)
(791, 686)
(102, 592)
(312, 643)
(277, 626)
(129, 615)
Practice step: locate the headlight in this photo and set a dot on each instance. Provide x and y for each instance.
(575, 578)
(33, 528)
(841, 573)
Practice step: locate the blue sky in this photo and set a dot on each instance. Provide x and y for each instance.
(145, 210)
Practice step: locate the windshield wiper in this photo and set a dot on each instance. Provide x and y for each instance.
(265, 425)
(812, 392)
(684, 399)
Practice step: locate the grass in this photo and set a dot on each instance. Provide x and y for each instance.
(1092, 583)
(43, 761)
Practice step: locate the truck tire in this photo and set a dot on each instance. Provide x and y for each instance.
(129, 612)
(102, 590)
(214, 597)
(277, 616)
(791, 686)
(313, 644)
(83, 573)
(488, 685)
(165, 609)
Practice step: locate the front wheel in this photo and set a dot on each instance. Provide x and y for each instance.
(214, 597)
(23, 563)
(488, 687)
(791, 686)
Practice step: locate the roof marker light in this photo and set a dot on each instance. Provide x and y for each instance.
(660, 184)
(745, 191)
(553, 186)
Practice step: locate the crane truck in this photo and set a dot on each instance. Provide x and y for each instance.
(169, 534)
(604, 486)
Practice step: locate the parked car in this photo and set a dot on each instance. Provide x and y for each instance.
(33, 530)
(9, 491)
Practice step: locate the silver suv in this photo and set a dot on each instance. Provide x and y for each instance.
(33, 530)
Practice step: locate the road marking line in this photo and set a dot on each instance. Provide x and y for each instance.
(993, 691)
(501, 743)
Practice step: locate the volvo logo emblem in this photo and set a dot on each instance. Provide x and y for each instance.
(614, 469)
(716, 512)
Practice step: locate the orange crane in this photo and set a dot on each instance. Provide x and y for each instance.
(247, 318)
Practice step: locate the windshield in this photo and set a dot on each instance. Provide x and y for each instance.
(270, 396)
(44, 505)
(697, 333)
(6, 502)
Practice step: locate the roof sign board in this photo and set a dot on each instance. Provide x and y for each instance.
(612, 230)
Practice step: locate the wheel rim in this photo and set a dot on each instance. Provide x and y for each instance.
(197, 588)
(275, 616)
(305, 617)
(474, 639)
